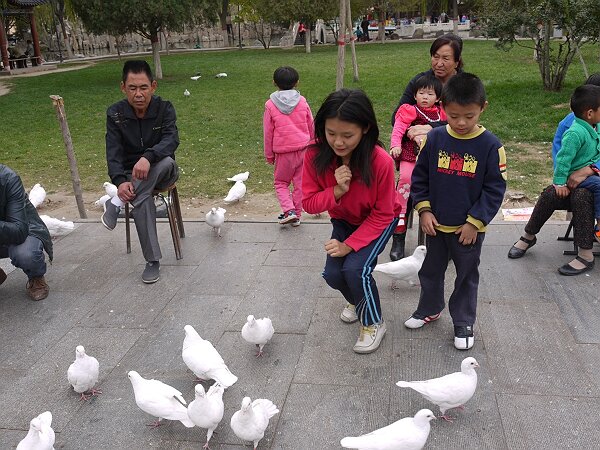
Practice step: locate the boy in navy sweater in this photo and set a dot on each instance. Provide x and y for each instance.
(458, 186)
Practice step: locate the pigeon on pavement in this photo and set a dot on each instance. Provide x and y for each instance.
(111, 189)
(159, 400)
(405, 269)
(450, 391)
(206, 411)
(204, 360)
(40, 435)
(215, 218)
(83, 374)
(258, 332)
(37, 195)
(243, 176)
(57, 227)
(237, 191)
(250, 422)
(409, 433)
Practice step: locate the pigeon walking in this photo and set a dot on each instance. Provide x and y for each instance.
(57, 227)
(409, 433)
(40, 435)
(83, 374)
(37, 195)
(237, 191)
(206, 411)
(204, 360)
(159, 400)
(243, 176)
(215, 218)
(221, 75)
(450, 391)
(405, 269)
(195, 77)
(250, 422)
(258, 332)
(111, 189)
(186, 93)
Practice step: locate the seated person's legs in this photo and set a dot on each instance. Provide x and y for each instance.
(583, 236)
(592, 184)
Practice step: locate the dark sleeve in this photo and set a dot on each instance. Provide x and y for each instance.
(14, 229)
(169, 140)
(114, 150)
(408, 96)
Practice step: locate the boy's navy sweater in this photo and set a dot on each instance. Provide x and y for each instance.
(460, 178)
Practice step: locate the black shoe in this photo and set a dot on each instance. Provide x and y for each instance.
(151, 272)
(110, 215)
(515, 252)
(397, 251)
(569, 270)
(463, 337)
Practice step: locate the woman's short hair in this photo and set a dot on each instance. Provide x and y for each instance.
(456, 44)
(348, 105)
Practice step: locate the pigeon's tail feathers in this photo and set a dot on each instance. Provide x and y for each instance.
(351, 442)
(267, 406)
(223, 376)
(404, 384)
(186, 421)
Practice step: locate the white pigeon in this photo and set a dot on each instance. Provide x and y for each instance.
(206, 411)
(215, 218)
(204, 360)
(258, 332)
(221, 75)
(450, 391)
(159, 400)
(409, 433)
(186, 93)
(250, 422)
(243, 176)
(83, 374)
(405, 269)
(102, 200)
(111, 189)
(237, 191)
(37, 195)
(40, 435)
(195, 77)
(57, 227)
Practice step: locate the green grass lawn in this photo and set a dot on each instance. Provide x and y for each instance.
(220, 124)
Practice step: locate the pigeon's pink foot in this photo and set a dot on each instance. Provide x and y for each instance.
(259, 354)
(84, 397)
(206, 446)
(447, 418)
(154, 424)
(94, 392)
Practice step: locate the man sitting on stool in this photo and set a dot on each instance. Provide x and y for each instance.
(141, 138)
(23, 235)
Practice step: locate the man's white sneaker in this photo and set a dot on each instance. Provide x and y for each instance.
(369, 338)
(348, 314)
(414, 322)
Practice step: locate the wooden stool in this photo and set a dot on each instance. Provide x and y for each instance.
(171, 201)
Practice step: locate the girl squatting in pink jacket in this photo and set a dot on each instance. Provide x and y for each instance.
(288, 128)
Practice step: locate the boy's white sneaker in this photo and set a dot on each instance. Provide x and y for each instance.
(369, 338)
(463, 337)
(348, 314)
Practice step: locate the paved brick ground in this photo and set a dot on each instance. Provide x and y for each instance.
(538, 343)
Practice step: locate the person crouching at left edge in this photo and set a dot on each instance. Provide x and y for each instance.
(348, 173)
(23, 235)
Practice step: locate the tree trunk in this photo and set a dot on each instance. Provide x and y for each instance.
(65, 36)
(309, 28)
(339, 81)
(156, 55)
(350, 28)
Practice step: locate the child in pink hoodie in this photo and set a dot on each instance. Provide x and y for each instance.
(288, 128)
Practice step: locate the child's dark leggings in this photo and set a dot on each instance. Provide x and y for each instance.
(580, 201)
(352, 274)
(463, 302)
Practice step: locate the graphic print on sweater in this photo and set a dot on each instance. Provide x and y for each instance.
(464, 165)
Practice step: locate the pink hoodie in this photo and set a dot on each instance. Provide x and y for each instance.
(287, 123)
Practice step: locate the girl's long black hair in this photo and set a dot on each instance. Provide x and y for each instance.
(348, 105)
